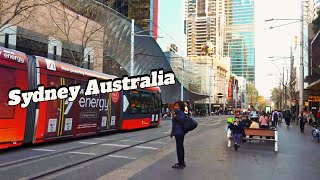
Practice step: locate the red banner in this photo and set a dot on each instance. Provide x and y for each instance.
(230, 89)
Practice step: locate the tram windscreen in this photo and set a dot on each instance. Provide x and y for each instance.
(143, 102)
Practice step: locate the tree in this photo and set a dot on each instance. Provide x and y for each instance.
(13, 12)
(253, 95)
(293, 87)
(276, 97)
(80, 30)
(261, 104)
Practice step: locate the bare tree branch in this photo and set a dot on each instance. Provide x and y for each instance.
(12, 10)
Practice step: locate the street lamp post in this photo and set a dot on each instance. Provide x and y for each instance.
(132, 49)
(301, 87)
(182, 79)
(209, 91)
(301, 82)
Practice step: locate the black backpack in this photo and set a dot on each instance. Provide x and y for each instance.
(189, 124)
(275, 116)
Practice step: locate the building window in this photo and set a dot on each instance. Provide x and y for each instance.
(54, 52)
(89, 59)
(6, 40)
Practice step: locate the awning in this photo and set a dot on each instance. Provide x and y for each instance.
(315, 86)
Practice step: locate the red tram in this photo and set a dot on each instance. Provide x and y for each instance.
(60, 119)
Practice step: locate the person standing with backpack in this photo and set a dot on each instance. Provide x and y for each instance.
(178, 132)
(275, 118)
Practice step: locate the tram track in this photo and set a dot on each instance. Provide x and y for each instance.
(47, 173)
(56, 157)
(8, 165)
(51, 173)
(12, 164)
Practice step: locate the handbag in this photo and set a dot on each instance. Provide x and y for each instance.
(189, 124)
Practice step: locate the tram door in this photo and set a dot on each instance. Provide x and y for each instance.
(156, 108)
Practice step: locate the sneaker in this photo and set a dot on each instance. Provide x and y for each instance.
(178, 166)
(237, 147)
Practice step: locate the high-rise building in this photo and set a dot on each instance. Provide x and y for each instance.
(206, 27)
(144, 12)
(239, 43)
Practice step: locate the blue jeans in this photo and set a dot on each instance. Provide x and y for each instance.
(237, 138)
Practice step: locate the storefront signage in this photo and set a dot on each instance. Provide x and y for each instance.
(230, 89)
(314, 98)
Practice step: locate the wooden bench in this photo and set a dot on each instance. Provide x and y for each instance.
(257, 132)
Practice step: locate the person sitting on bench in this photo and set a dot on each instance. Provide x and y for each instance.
(254, 124)
(237, 131)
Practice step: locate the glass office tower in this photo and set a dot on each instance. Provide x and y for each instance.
(239, 45)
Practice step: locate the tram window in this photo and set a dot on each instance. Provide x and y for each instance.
(145, 102)
(7, 112)
(135, 104)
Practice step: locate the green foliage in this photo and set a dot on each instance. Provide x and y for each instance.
(276, 96)
(253, 95)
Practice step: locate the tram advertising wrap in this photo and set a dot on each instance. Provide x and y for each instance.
(43, 117)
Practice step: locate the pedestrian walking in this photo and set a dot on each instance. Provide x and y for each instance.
(280, 116)
(302, 121)
(275, 117)
(237, 131)
(178, 132)
(294, 117)
(288, 118)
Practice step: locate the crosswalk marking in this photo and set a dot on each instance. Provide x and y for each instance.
(125, 157)
(157, 142)
(116, 145)
(145, 147)
(82, 142)
(105, 139)
(128, 140)
(83, 153)
(47, 150)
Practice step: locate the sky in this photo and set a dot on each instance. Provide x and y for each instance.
(268, 42)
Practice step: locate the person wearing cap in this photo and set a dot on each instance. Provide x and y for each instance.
(178, 132)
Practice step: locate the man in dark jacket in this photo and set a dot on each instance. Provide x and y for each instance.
(178, 132)
(287, 118)
(246, 124)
